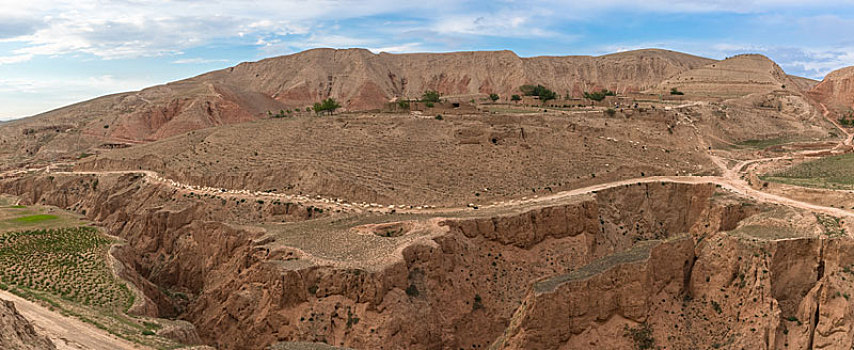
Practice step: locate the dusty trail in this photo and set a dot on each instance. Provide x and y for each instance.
(731, 180)
(68, 333)
(849, 139)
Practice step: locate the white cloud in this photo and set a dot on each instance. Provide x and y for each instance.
(15, 59)
(24, 97)
(198, 60)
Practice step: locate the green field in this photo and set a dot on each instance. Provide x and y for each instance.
(762, 144)
(835, 172)
(34, 218)
(67, 262)
(50, 256)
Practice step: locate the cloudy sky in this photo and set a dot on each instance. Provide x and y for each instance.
(54, 52)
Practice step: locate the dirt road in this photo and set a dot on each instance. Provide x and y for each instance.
(68, 333)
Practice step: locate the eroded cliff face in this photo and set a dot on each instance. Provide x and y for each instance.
(724, 292)
(16, 332)
(458, 289)
(836, 91)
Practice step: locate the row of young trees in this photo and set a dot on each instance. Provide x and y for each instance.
(430, 97)
(327, 106)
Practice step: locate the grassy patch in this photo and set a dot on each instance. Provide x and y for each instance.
(836, 172)
(767, 232)
(513, 110)
(35, 218)
(832, 225)
(639, 252)
(761, 144)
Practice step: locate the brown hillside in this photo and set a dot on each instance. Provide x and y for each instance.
(733, 77)
(358, 78)
(836, 90)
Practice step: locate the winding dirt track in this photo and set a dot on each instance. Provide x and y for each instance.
(68, 333)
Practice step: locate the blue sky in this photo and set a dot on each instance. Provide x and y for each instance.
(53, 53)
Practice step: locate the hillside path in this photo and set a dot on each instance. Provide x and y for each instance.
(68, 333)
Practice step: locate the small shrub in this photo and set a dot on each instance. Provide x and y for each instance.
(674, 91)
(641, 336)
(431, 96)
(478, 302)
(412, 290)
(439, 117)
(610, 112)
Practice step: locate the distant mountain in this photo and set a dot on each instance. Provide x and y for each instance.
(359, 79)
(734, 77)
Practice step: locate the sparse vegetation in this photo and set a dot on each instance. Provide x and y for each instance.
(675, 91)
(412, 290)
(494, 97)
(610, 112)
(515, 98)
(641, 336)
(478, 303)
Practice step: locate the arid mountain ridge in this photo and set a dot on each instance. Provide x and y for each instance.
(362, 80)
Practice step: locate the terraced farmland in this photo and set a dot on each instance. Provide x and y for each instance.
(835, 172)
(67, 262)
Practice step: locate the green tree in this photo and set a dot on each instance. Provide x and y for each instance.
(515, 98)
(328, 106)
(540, 91)
(598, 95)
(431, 96)
(494, 97)
(674, 91)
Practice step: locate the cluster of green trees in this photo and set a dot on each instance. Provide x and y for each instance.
(540, 91)
(599, 95)
(327, 106)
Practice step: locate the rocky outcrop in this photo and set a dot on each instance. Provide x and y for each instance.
(17, 333)
(724, 292)
(836, 91)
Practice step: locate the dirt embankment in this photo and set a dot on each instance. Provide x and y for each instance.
(460, 289)
(16, 332)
